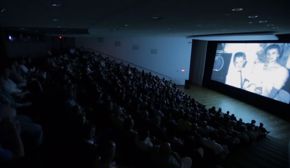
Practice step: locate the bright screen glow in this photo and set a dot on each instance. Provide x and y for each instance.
(261, 68)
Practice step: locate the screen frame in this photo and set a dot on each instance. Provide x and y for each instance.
(262, 102)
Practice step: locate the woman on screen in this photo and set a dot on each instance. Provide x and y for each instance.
(269, 77)
(277, 74)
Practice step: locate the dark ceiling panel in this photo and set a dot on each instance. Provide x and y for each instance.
(184, 17)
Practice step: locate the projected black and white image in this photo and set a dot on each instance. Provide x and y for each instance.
(261, 68)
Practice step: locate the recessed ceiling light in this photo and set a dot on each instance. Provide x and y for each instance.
(55, 19)
(156, 17)
(270, 25)
(275, 27)
(56, 4)
(3, 10)
(253, 16)
(237, 9)
(263, 21)
(250, 22)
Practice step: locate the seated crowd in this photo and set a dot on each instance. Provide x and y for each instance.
(96, 112)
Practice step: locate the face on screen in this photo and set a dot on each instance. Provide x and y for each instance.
(272, 55)
(239, 62)
(260, 68)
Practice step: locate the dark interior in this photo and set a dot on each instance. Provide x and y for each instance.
(107, 84)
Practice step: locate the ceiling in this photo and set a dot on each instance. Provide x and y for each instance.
(124, 17)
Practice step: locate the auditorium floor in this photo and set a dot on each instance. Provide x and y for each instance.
(278, 127)
(271, 152)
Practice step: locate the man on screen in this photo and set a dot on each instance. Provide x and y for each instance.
(237, 76)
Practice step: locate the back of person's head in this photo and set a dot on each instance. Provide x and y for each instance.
(129, 122)
(3, 109)
(6, 112)
(108, 151)
(165, 148)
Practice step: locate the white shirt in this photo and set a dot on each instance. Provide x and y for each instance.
(236, 77)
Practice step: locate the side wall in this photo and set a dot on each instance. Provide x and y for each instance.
(166, 55)
(37, 48)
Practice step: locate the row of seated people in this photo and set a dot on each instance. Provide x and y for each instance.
(17, 129)
(103, 113)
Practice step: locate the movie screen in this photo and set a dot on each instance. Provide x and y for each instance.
(260, 68)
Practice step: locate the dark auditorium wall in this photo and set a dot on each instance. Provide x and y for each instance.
(168, 55)
(25, 49)
(36, 47)
(55, 42)
(197, 61)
